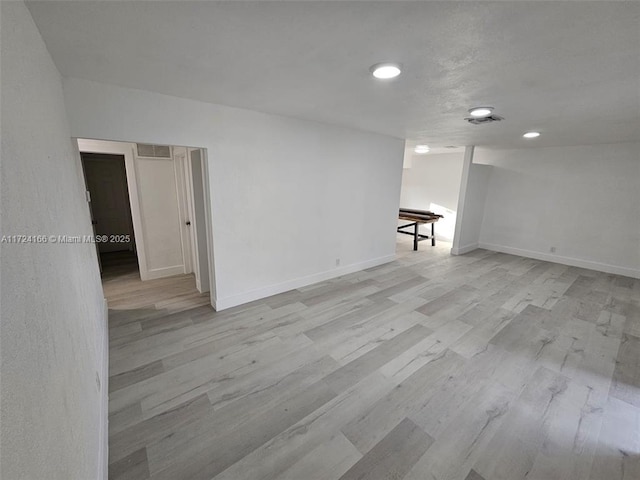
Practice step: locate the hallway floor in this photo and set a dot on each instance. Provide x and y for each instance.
(128, 296)
(483, 366)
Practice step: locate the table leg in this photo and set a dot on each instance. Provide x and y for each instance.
(433, 234)
(415, 237)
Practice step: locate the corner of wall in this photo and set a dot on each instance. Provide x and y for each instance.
(103, 454)
(464, 249)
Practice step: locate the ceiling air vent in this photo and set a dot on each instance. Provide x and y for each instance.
(153, 151)
(481, 120)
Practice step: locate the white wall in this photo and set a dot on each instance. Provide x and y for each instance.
(53, 328)
(288, 197)
(583, 200)
(474, 184)
(432, 182)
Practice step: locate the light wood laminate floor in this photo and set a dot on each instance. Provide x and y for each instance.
(483, 366)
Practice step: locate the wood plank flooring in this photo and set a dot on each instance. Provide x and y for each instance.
(485, 366)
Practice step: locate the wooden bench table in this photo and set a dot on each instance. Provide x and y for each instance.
(417, 217)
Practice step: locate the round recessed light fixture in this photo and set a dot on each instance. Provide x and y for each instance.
(385, 71)
(421, 149)
(531, 135)
(479, 112)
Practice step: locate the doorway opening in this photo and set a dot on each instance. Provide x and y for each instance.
(150, 212)
(429, 198)
(110, 208)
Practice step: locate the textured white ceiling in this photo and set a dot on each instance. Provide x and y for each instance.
(568, 69)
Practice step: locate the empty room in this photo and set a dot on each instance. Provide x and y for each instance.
(320, 240)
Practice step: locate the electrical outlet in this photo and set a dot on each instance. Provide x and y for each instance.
(337, 262)
(552, 249)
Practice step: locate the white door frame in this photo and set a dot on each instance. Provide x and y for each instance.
(200, 248)
(193, 232)
(180, 158)
(125, 149)
(204, 157)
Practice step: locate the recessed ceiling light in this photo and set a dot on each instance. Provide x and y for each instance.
(385, 71)
(480, 112)
(421, 149)
(531, 134)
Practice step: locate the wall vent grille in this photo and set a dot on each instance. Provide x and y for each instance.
(153, 151)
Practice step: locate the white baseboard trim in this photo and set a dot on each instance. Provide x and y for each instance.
(103, 441)
(246, 297)
(164, 272)
(571, 261)
(465, 249)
